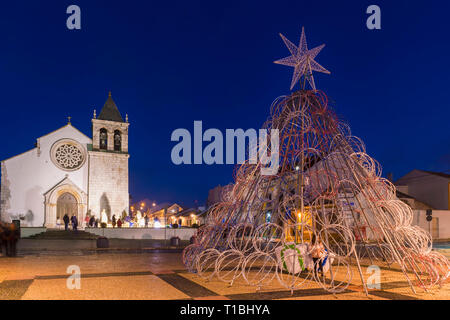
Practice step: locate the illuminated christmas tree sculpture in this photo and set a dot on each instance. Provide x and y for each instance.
(327, 191)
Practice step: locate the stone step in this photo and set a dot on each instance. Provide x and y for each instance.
(64, 235)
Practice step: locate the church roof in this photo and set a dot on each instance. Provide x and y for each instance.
(110, 111)
(441, 174)
(69, 125)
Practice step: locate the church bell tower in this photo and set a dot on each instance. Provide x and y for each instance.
(108, 163)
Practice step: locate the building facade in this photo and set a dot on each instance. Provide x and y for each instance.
(69, 173)
(432, 188)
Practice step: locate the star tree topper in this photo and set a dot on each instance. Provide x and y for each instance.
(302, 60)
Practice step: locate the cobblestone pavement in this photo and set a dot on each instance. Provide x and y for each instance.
(162, 276)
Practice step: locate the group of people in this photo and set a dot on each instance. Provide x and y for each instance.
(115, 222)
(93, 222)
(72, 220)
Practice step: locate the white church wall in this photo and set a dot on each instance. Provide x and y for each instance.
(26, 177)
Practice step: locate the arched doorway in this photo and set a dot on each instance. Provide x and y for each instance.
(66, 204)
(65, 196)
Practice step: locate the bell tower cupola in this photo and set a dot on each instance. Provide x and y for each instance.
(109, 130)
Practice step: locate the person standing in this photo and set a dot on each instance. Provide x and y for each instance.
(91, 222)
(119, 223)
(317, 251)
(9, 237)
(146, 220)
(74, 222)
(66, 221)
(86, 221)
(113, 221)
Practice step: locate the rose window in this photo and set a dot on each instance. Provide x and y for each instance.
(68, 156)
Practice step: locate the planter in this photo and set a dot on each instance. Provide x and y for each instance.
(175, 242)
(102, 242)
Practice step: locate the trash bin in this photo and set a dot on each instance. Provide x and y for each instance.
(102, 242)
(174, 241)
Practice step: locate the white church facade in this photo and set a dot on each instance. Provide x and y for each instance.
(70, 173)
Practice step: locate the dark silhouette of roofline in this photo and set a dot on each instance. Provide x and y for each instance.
(110, 112)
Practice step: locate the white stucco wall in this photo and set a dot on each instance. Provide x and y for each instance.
(439, 227)
(26, 177)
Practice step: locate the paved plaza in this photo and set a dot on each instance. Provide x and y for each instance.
(161, 275)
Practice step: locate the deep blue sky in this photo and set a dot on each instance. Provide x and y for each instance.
(169, 63)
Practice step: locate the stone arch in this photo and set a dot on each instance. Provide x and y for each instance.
(66, 204)
(51, 198)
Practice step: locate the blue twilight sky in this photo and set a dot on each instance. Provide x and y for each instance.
(169, 63)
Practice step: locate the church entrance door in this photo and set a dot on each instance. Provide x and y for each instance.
(66, 203)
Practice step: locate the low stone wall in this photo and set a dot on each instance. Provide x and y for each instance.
(143, 233)
(26, 232)
(40, 245)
